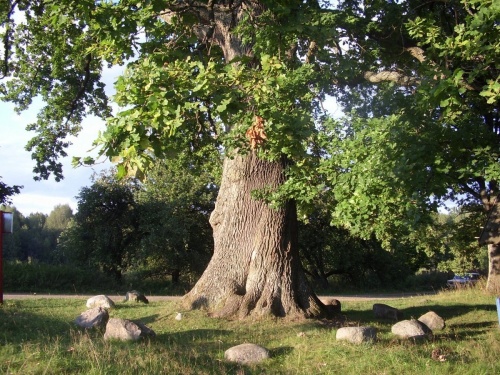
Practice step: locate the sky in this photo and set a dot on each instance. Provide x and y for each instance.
(16, 166)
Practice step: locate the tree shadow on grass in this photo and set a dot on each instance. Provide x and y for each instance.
(414, 312)
(146, 319)
(194, 336)
(281, 351)
(445, 311)
(20, 326)
(202, 350)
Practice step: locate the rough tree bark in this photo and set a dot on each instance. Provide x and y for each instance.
(490, 236)
(493, 284)
(255, 267)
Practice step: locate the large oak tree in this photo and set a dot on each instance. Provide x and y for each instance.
(246, 77)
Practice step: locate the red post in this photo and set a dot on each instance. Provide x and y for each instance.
(1, 257)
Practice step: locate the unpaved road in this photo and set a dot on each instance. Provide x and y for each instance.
(118, 298)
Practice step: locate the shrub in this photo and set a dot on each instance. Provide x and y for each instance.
(39, 277)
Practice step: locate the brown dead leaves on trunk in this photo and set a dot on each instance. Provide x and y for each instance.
(255, 133)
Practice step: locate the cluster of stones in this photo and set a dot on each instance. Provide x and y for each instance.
(416, 329)
(97, 316)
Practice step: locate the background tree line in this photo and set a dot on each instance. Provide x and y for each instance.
(156, 234)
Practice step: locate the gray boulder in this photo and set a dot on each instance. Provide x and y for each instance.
(246, 354)
(411, 329)
(383, 311)
(433, 321)
(136, 296)
(126, 330)
(100, 301)
(95, 317)
(357, 335)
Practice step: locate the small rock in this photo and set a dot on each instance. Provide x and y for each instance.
(433, 321)
(383, 311)
(333, 306)
(411, 329)
(246, 354)
(100, 301)
(178, 316)
(357, 335)
(95, 317)
(126, 330)
(439, 355)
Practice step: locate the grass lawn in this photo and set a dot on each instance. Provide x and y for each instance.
(37, 336)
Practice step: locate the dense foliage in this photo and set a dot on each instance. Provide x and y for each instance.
(104, 230)
(175, 203)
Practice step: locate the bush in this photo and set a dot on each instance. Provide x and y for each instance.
(427, 280)
(46, 278)
(159, 283)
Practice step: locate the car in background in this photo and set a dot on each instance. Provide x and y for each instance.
(467, 279)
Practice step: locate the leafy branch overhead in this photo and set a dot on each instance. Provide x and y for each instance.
(419, 83)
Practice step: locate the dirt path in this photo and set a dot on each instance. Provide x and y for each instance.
(117, 298)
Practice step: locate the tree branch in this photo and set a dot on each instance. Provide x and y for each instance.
(81, 91)
(390, 76)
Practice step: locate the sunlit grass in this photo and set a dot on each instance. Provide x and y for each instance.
(38, 336)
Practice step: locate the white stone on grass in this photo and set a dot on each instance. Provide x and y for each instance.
(433, 321)
(246, 354)
(411, 329)
(100, 301)
(356, 335)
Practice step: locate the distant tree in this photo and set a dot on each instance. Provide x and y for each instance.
(104, 231)
(57, 221)
(59, 217)
(328, 251)
(175, 204)
(450, 243)
(34, 242)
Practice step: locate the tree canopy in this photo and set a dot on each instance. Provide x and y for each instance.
(419, 83)
(429, 72)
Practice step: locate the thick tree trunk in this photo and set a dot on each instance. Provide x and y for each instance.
(490, 235)
(493, 284)
(255, 268)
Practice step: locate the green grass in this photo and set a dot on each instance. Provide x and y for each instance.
(37, 336)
